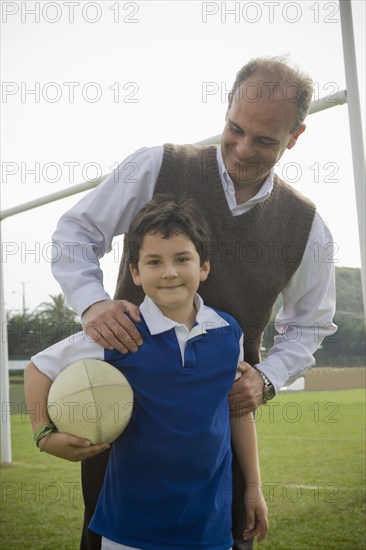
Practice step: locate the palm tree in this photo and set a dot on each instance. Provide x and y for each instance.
(56, 311)
(22, 335)
(58, 321)
(30, 332)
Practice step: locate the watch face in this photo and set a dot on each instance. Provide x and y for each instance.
(268, 390)
(270, 393)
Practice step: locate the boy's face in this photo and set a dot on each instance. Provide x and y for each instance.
(169, 272)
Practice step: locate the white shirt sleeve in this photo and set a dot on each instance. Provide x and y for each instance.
(54, 359)
(85, 233)
(308, 307)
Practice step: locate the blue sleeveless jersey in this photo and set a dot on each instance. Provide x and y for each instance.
(168, 483)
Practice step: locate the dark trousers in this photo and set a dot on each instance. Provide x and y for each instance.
(92, 477)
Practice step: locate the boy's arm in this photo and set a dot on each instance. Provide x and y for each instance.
(244, 441)
(62, 445)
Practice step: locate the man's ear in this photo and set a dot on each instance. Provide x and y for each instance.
(230, 98)
(295, 135)
(135, 275)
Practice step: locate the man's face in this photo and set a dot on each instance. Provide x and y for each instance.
(256, 134)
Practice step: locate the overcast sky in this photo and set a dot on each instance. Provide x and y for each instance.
(87, 83)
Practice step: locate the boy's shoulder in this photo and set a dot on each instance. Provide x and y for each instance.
(228, 318)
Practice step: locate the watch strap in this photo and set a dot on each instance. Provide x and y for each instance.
(268, 389)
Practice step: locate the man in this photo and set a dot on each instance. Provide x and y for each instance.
(262, 246)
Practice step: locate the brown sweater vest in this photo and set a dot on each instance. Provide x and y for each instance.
(253, 256)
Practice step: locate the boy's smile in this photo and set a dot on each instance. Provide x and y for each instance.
(170, 271)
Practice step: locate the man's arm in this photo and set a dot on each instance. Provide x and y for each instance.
(303, 322)
(85, 233)
(306, 316)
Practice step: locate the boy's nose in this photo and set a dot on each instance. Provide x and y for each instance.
(170, 272)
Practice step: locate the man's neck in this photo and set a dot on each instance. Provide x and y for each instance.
(245, 192)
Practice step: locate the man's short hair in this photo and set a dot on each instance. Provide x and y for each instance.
(294, 84)
(168, 217)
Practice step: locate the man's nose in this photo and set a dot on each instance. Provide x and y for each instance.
(244, 148)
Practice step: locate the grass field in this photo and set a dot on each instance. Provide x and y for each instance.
(313, 472)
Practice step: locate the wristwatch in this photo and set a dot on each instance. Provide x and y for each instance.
(268, 390)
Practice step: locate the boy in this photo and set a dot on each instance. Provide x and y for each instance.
(168, 484)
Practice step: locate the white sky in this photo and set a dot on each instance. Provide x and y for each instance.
(151, 63)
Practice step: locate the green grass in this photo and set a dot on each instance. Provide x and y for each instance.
(313, 472)
(41, 503)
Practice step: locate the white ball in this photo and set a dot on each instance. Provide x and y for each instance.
(91, 399)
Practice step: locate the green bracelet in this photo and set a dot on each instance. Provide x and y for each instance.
(44, 430)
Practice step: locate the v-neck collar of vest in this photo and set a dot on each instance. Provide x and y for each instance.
(218, 191)
(157, 323)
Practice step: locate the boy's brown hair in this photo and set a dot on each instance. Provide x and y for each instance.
(166, 216)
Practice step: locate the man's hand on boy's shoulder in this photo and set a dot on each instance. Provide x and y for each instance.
(108, 325)
(70, 447)
(246, 394)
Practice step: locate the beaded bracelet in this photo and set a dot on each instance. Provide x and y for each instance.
(44, 430)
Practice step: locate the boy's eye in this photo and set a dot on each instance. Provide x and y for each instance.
(182, 260)
(154, 262)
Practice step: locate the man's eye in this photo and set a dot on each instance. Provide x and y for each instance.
(235, 129)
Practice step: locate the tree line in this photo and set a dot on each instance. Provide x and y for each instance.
(30, 332)
(346, 347)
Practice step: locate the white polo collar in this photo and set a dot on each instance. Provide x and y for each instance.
(157, 322)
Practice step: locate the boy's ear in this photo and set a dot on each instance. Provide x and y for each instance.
(205, 270)
(135, 275)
